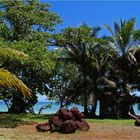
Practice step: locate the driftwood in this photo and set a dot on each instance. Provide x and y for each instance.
(65, 121)
(136, 117)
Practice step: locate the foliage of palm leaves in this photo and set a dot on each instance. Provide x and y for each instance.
(95, 61)
(122, 36)
(125, 46)
(136, 52)
(80, 43)
(11, 56)
(9, 80)
(11, 52)
(85, 49)
(89, 52)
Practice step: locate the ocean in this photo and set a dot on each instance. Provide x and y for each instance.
(55, 107)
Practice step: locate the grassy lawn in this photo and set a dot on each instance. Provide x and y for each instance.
(12, 120)
(112, 121)
(12, 128)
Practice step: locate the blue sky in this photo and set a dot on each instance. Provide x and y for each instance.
(94, 13)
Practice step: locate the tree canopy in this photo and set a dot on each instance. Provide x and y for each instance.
(19, 19)
(83, 68)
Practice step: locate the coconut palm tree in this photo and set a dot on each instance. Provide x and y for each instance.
(125, 46)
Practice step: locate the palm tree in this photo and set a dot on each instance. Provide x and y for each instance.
(100, 55)
(89, 53)
(122, 37)
(8, 80)
(73, 40)
(125, 46)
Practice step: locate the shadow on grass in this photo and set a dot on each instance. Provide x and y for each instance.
(12, 120)
(40, 117)
(6, 122)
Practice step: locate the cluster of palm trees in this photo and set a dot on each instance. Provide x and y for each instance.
(108, 61)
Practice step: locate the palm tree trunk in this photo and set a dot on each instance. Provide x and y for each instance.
(101, 112)
(94, 98)
(93, 111)
(124, 108)
(85, 85)
(85, 96)
(61, 103)
(85, 104)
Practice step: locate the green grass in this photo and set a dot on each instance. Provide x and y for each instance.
(12, 120)
(113, 121)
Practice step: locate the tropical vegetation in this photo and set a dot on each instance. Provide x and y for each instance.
(83, 68)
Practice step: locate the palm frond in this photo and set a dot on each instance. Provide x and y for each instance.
(137, 35)
(74, 52)
(9, 80)
(131, 58)
(137, 54)
(95, 31)
(8, 55)
(109, 82)
(109, 29)
(123, 35)
(117, 27)
(127, 32)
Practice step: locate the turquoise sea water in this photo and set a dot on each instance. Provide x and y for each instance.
(55, 107)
